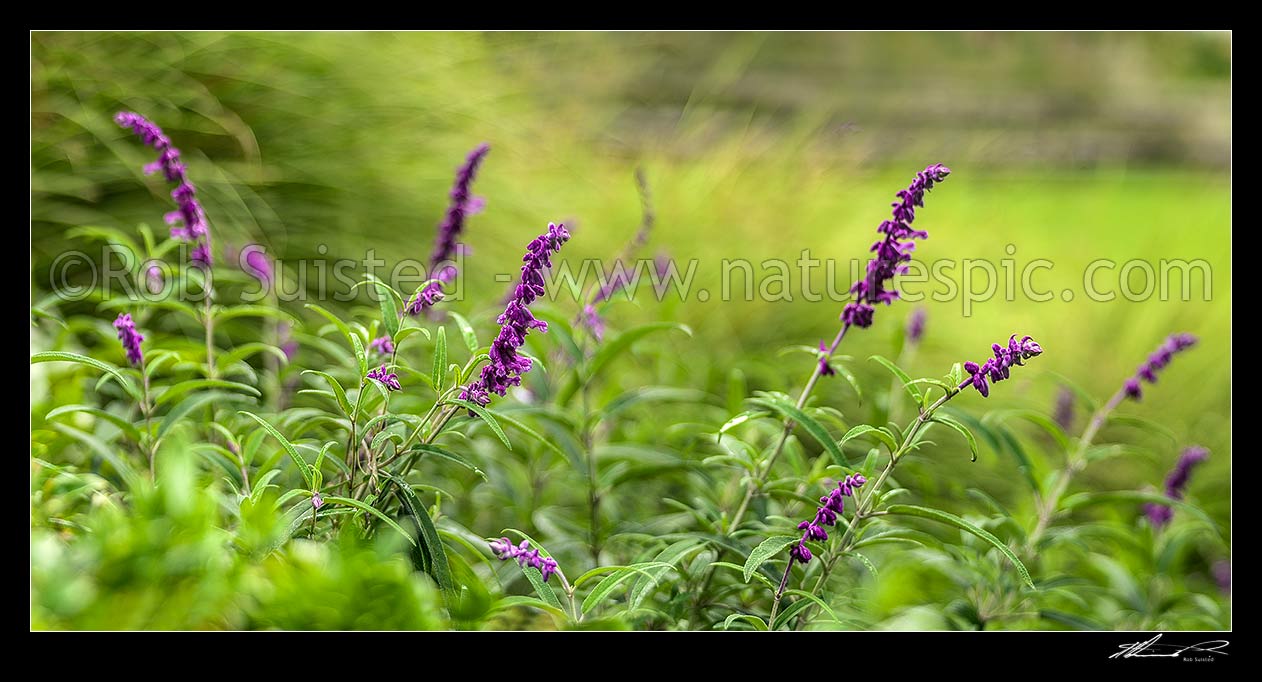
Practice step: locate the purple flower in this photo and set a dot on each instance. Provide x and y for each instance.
(1064, 414)
(525, 556)
(255, 262)
(1158, 360)
(998, 367)
(316, 500)
(1222, 575)
(1176, 484)
(154, 281)
(892, 253)
(506, 367)
(388, 379)
(287, 345)
(130, 337)
(916, 325)
(188, 221)
(445, 245)
(824, 368)
(831, 506)
(383, 345)
(594, 323)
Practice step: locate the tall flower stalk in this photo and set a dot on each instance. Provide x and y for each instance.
(1047, 505)
(446, 243)
(1176, 483)
(893, 252)
(188, 222)
(131, 339)
(995, 369)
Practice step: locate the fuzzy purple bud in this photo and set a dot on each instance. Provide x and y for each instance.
(1157, 361)
(154, 281)
(916, 325)
(383, 345)
(831, 506)
(1176, 484)
(388, 379)
(998, 368)
(525, 556)
(824, 368)
(188, 222)
(506, 366)
(446, 243)
(316, 500)
(893, 251)
(130, 337)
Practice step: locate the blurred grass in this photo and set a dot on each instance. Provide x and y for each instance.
(1069, 147)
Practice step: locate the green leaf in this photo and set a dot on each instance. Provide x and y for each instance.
(466, 331)
(865, 429)
(361, 356)
(120, 464)
(189, 404)
(371, 510)
(1134, 497)
(521, 600)
(440, 359)
(902, 376)
(968, 435)
(486, 416)
(817, 430)
(339, 393)
(517, 424)
(850, 379)
(738, 420)
(1037, 418)
(758, 623)
(194, 384)
(389, 312)
(449, 456)
(543, 589)
(124, 425)
(405, 332)
(232, 312)
(670, 556)
(611, 582)
(953, 520)
(817, 601)
(764, 551)
(303, 467)
(619, 344)
(60, 356)
(245, 350)
(429, 551)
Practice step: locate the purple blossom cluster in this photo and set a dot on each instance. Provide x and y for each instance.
(506, 366)
(525, 556)
(388, 379)
(188, 223)
(892, 252)
(130, 337)
(446, 245)
(1176, 483)
(383, 345)
(916, 325)
(1158, 360)
(831, 506)
(998, 367)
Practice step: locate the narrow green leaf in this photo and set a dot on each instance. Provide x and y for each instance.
(194, 384)
(738, 420)
(902, 376)
(339, 393)
(448, 455)
(817, 430)
(758, 623)
(303, 467)
(124, 425)
(764, 551)
(430, 547)
(61, 356)
(389, 312)
(963, 430)
(466, 331)
(865, 429)
(621, 343)
(371, 510)
(486, 416)
(440, 358)
(953, 520)
(192, 402)
(611, 582)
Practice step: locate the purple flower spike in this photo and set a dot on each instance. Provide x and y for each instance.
(594, 323)
(525, 556)
(506, 366)
(1176, 484)
(316, 500)
(1157, 361)
(383, 345)
(130, 337)
(999, 367)
(388, 379)
(188, 222)
(892, 252)
(831, 506)
(463, 204)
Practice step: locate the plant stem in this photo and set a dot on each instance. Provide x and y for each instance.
(1076, 462)
(208, 319)
(751, 488)
(146, 407)
(775, 604)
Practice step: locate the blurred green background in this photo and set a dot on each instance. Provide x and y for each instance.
(1069, 147)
